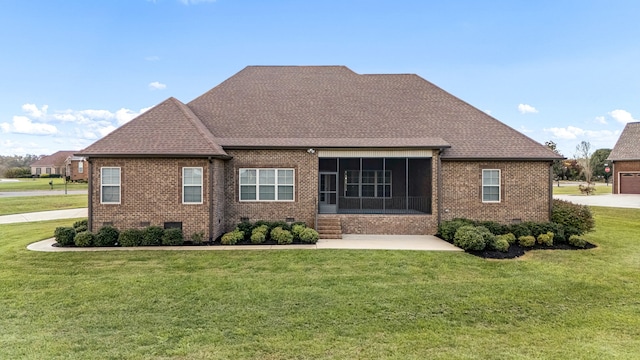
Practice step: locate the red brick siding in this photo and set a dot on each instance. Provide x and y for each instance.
(524, 191)
(303, 208)
(623, 166)
(74, 174)
(151, 191)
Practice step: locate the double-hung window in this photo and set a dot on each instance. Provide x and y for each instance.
(80, 167)
(192, 185)
(266, 184)
(490, 185)
(110, 185)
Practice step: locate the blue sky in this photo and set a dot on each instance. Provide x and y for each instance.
(72, 71)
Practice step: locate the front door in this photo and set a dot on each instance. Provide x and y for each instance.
(328, 193)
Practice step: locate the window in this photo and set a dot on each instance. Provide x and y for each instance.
(367, 183)
(110, 185)
(266, 184)
(80, 167)
(48, 170)
(490, 185)
(192, 185)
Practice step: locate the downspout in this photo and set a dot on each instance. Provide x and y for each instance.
(90, 195)
(439, 187)
(550, 190)
(210, 200)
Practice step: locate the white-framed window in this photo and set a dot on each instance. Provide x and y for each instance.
(490, 185)
(367, 183)
(80, 167)
(266, 184)
(192, 185)
(110, 185)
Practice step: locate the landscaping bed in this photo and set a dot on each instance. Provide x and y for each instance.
(516, 250)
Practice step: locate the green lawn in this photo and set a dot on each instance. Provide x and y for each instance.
(565, 189)
(39, 184)
(321, 304)
(25, 204)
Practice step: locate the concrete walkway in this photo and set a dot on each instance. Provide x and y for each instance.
(354, 242)
(44, 215)
(6, 194)
(607, 200)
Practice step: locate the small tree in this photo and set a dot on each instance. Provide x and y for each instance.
(583, 156)
(598, 161)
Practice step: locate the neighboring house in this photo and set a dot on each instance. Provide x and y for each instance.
(77, 168)
(625, 159)
(51, 164)
(378, 154)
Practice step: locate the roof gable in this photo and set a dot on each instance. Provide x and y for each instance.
(168, 129)
(628, 145)
(55, 159)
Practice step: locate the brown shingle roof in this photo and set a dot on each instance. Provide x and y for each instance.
(168, 129)
(53, 160)
(628, 145)
(325, 103)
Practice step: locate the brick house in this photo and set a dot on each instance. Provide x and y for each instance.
(76, 168)
(625, 159)
(53, 164)
(378, 154)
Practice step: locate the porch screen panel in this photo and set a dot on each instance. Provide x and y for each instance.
(398, 170)
(420, 180)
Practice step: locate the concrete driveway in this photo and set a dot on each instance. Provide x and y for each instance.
(608, 200)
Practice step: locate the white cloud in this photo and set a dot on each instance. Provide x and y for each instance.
(33, 111)
(524, 130)
(572, 132)
(525, 108)
(24, 125)
(157, 86)
(622, 116)
(601, 120)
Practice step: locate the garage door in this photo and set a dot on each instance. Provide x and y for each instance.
(629, 183)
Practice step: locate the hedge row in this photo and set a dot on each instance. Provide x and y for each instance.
(263, 231)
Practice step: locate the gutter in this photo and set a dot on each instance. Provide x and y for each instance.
(210, 191)
(90, 191)
(439, 187)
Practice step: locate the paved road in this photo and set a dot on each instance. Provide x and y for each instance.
(607, 200)
(4, 194)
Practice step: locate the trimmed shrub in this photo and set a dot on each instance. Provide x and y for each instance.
(246, 227)
(131, 237)
(309, 236)
(494, 227)
(526, 241)
(232, 237)
(297, 229)
(84, 239)
(500, 243)
(488, 237)
(152, 236)
(107, 236)
(81, 225)
(172, 237)
(577, 241)
(447, 229)
(572, 215)
(45, 175)
(197, 238)
(545, 239)
(468, 237)
(519, 230)
(259, 234)
(281, 236)
(509, 237)
(65, 235)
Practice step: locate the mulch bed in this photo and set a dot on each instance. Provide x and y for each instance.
(516, 250)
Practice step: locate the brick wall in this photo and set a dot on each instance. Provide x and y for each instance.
(74, 174)
(151, 192)
(524, 191)
(622, 166)
(303, 208)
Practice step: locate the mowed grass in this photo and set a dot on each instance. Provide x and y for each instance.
(322, 304)
(570, 189)
(25, 204)
(39, 184)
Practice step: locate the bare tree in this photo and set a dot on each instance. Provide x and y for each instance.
(583, 156)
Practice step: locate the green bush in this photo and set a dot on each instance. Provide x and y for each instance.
(488, 237)
(296, 229)
(81, 225)
(527, 241)
(546, 239)
(309, 236)
(572, 215)
(84, 239)
(509, 237)
(259, 234)
(494, 227)
(45, 175)
(131, 237)
(469, 237)
(281, 236)
(519, 230)
(65, 235)
(197, 238)
(232, 237)
(17, 172)
(577, 241)
(152, 236)
(447, 229)
(172, 237)
(107, 236)
(500, 243)
(246, 227)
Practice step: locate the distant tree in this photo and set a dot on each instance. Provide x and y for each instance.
(572, 169)
(598, 159)
(558, 168)
(583, 156)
